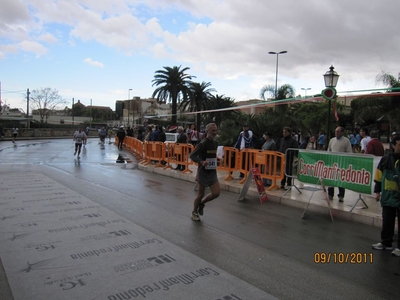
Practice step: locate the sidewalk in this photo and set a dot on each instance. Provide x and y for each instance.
(314, 194)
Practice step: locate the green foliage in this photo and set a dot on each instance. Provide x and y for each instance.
(173, 85)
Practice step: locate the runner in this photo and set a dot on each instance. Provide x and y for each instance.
(205, 155)
(79, 137)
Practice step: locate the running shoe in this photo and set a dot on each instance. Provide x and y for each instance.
(195, 216)
(201, 209)
(380, 246)
(396, 252)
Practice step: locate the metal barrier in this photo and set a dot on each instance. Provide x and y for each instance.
(291, 164)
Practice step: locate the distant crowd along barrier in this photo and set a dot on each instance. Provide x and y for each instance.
(163, 155)
(351, 171)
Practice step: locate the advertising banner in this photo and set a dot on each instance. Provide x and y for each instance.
(350, 171)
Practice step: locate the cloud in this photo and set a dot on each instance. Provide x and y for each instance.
(32, 46)
(48, 38)
(93, 63)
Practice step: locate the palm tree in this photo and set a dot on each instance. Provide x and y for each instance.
(283, 92)
(198, 99)
(220, 102)
(173, 85)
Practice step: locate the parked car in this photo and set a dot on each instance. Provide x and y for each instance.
(171, 137)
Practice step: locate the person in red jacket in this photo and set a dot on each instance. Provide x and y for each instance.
(374, 146)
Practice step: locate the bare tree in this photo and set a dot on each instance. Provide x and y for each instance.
(44, 101)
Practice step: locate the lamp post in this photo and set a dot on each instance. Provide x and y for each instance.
(331, 78)
(129, 109)
(276, 76)
(305, 91)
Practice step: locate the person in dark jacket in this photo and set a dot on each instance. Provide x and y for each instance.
(287, 142)
(121, 136)
(182, 139)
(161, 137)
(387, 191)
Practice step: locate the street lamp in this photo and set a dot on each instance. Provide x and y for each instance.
(331, 78)
(305, 91)
(129, 107)
(276, 76)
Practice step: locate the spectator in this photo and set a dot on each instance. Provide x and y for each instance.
(110, 133)
(161, 137)
(365, 139)
(193, 135)
(394, 134)
(269, 145)
(182, 139)
(245, 140)
(154, 134)
(129, 131)
(339, 143)
(121, 136)
(321, 141)
(375, 147)
(304, 142)
(387, 191)
(287, 142)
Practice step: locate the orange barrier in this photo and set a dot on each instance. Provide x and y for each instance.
(154, 151)
(229, 161)
(178, 153)
(271, 164)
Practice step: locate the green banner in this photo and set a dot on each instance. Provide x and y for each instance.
(353, 172)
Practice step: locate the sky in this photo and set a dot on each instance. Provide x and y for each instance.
(97, 50)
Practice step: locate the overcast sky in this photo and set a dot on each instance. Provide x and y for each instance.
(99, 49)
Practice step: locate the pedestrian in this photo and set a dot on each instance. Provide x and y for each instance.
(161, 137)
(269, 145)
(287, 141)
(79, 137)
(102, 135)
(387, 191)
(193, 135)
(121, 136)
(110, 133)
(321, 141)
(205, 155)
(339, 143)
(364, 132)
(244, 141)
(304, 142)
(1, 132)
(394, 133)
(15, 133)
(375, 146)
(129, 131)
(154, 134)
(182, 139)
(312, 141)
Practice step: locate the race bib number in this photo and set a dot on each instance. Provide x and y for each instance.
(212, 164)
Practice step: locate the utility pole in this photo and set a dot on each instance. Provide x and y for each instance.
(72, 111)
(28, 123)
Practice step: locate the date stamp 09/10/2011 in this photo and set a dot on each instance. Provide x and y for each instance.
(343, 258)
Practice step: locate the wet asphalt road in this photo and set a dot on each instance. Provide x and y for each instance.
(268, 246)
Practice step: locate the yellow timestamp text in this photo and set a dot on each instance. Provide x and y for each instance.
(343, 258)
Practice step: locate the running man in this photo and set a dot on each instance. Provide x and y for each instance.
(205, 155)
(79, 137)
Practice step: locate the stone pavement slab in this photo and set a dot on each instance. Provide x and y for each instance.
(57, 244)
